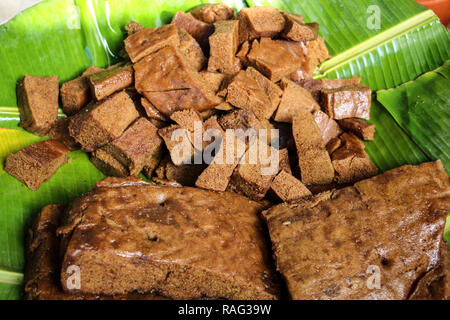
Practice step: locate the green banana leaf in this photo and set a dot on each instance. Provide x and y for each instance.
(421, 107)
(79, 33)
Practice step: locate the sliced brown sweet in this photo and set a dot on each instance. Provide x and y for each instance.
(213, 12)
(112, 80)
(76, 93)
(103, 122)
(243, 52)
(133, 27)
(328, 127)
(223, 44)
(187, 119)
(314, 160)
(296, 30)
(312, 85)
(142, 43)
(212, 80)
(191, 50)
(107, 164)
(166, 80)
(60, 132)
(252, 91)
(333, 145)
(288, 188)
(37, 100)
(351, 162)
(184, 174)
(150, 110)
(258, 22)
(347, 102)
(196, 28)
(37, 163)
(276, 58)
(178, 142)
(362, 129)
(316, 53)
(294, 100)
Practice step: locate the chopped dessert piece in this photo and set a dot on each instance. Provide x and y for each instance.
(333, 145)
(330, 247)
(258, 22)
(37, 100)
(151, 111)
(196, 28)
(328, 127)
(139, 144)
(107, 82)
(317, 52)
(313, 86)
(288, 188)
(347, 102)
(108, 165)
(294, 100)
(314, 160)
(212, 80)
(276, 58)
(242, 53)
(351, 162)
(362, 129)
(187, 118)
(184, 174)
(211, 13)
(340, 83)
(172, 244)
(252, 91)
(60, 132)
(223, 44)
(299, 75)
(178, 142)
(101, 123)
(37, 163)
(296, 30)
(285, 163)
(133, 27)
(191, 50)
(147, 41)
(76, 94)
(170, 84)
(252, 177)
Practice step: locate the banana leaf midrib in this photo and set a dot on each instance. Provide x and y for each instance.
(11, 277)
(375, 42)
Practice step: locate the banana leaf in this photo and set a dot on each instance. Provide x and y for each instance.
(422, 109)
(79, 33)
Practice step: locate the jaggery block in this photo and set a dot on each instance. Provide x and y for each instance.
(184, 174)
(347, 102)
(107, 164)
(317, 52)
(191, 50)
(179, 143)
(328, 127)
(141, 44)
(212, 80)
(103, 122)
(133, 27)
(294, 100)
(150, 110)
(333, 145)
(362, 129)
(314, 160)
(37, 100)
(198, 29)
(288, 188)
(213, 12)
(242, 53)
(258, 22)
(37, 163)
(105, 83)
(187, 119)
(296, 30)
(60, 132)
(223, 44)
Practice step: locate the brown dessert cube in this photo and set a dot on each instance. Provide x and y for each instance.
(314, 160)
(76, 93)
(242, 53)
(312, 85)
(328, 127)
(60, 132)
(37, 163)
(103, 122)
(139, 144)
(108, 165)
(170, 84)
(362, 129)
(212, 80)
(347, 102)
(333, 145)
(133, 27)
(37, 100)
(288, 188)
(178, 141)
(196, 28)
(223, 44)
(317, 52)
(213, 12)
(191, 50)
(187, 119)
(351, 162)
(112, 80)
(294, 100)
(296, 30)
(150, 111)
(147, 41)
(258, 22)
(276, 58)
(184, 174)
